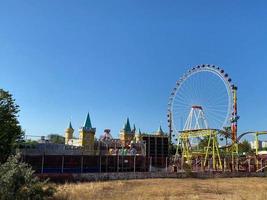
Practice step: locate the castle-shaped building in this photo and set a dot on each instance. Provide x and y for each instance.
(86, 135)
(128, 135)
(156, 143)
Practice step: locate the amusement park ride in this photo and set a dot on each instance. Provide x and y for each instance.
(207, 100)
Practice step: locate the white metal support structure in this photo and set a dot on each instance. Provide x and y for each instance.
(196, 119)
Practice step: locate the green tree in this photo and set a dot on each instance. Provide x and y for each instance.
(226, 133)
(10, 130)
(203, 143)
(56, 139)
(244, 147)
(172, 149)
(27, 144)
(17, 182)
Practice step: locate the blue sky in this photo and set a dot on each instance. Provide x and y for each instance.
(61, 59)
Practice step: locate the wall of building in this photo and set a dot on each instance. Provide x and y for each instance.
(156, 146)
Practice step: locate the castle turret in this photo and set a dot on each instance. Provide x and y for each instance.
(134, 128)
(160, 131)
(138, 136)
(69, 134)
(87, 134)
(126, 134)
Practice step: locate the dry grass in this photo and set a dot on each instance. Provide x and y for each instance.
(192, 189)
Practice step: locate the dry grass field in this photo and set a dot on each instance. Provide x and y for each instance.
(192, 189)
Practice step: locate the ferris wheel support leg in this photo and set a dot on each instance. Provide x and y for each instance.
(234, 153)
(188, 154)
(257, 150)
(218, 154)
(213, 154)
(207, 151)
(184, 153)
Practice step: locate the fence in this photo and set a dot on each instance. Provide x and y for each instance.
(225, 164)
(94, 164)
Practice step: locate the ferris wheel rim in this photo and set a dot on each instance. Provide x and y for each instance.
(219, 72)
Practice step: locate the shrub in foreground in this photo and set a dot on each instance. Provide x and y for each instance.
(17, 182)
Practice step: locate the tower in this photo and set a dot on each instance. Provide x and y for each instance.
(126, 134)
(69, 134)
(87, 134)
(160, 131)
(134, 128)
(138, 136)
(235, 117)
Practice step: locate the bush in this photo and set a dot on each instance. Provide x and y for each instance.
(17, 182)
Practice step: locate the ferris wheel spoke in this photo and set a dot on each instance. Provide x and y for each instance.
(220, 92)
(181, 101)
(194, 89)
(217, 113)
(214, 116)
(216, 110)
(179, 97)
(217, 106)
(220, 104)
(219, 99)
(181, 104)
(190, 88)
(184, 94)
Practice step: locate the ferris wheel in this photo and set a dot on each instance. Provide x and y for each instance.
(201, 99)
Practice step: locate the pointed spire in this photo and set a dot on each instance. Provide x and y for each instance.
(70, 126)
(160, 131)
(127, 126)
(134, 128)
(87, 123)
(138, 136)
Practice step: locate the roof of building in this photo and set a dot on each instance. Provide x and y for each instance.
(127, 126)
(87, 123)
(134, 128)
(70, 126)
(160, 131)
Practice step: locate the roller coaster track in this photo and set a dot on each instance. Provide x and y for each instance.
(241, 136)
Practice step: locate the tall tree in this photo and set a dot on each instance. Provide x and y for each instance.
(226, 133)
(10, 130)
(56, 139)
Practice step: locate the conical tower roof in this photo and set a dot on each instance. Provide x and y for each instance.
(70, 126)
(134, 128)
(160, 131)
(127, 126)
(138, 136)
(87, 123)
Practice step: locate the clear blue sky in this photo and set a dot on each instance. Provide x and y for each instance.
(61, 59)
